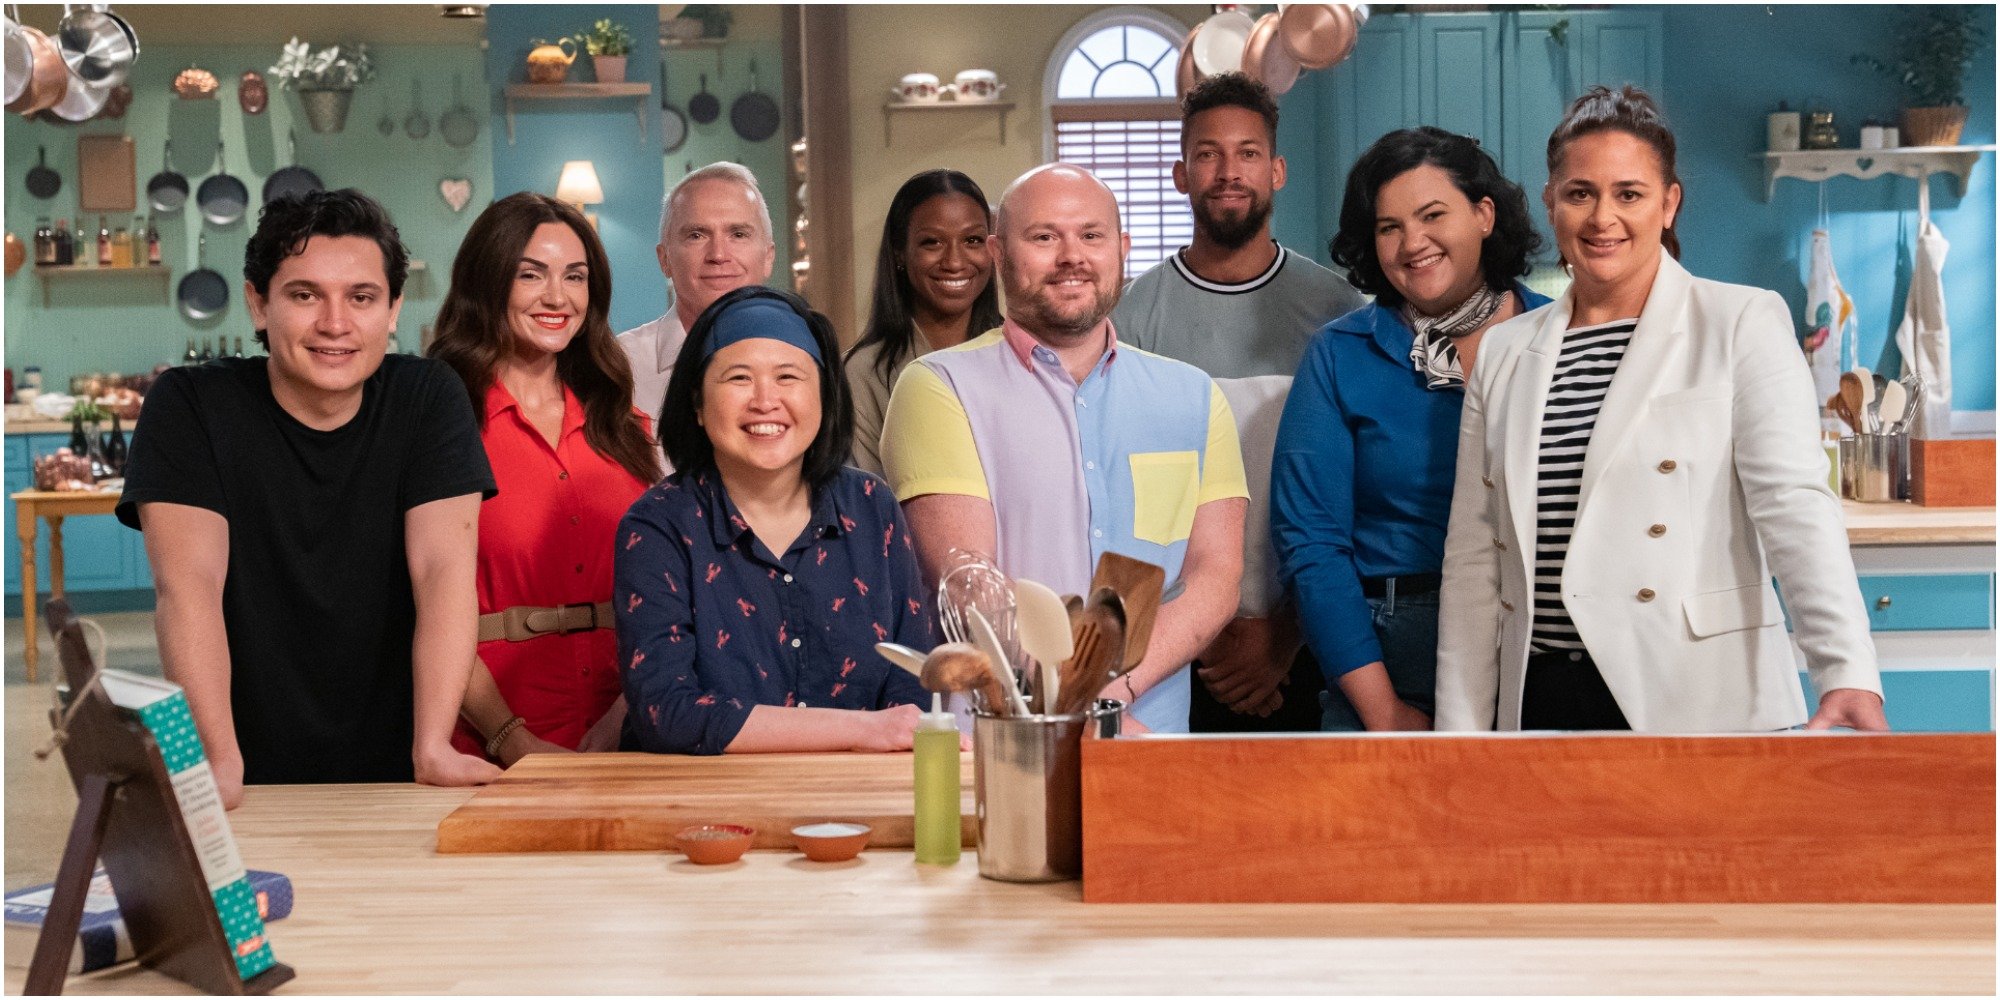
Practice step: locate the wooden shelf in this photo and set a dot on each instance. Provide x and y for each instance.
(890, 107)
(640, 92)
(1916, 162)
(57, 275)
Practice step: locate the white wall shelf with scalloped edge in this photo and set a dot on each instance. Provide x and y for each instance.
(1915, 162)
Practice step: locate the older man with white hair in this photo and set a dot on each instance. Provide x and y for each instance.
(715, 237)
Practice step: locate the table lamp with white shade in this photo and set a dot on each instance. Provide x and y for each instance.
(579, 186)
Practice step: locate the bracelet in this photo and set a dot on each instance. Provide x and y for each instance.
(500, 738)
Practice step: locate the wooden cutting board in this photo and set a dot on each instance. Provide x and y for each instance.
(637, 802)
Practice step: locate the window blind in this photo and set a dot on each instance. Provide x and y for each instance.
(1132, 149)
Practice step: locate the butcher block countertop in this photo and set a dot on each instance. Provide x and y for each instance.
(1909, 524)
(379, 910)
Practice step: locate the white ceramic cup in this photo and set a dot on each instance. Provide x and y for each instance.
(978, 85)
(918, 88)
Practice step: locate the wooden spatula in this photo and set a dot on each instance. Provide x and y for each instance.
(1138, 584)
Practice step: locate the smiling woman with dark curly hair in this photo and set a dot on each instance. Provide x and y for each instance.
(1361, 480)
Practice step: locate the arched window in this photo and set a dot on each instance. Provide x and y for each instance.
(1112, 109)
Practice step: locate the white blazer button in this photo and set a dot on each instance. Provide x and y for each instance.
(1645, 594)
(1657, 530)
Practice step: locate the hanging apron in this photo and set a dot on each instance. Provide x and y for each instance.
(1924, 336)
(1830, 325)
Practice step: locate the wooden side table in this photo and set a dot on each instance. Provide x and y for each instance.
(30, 505)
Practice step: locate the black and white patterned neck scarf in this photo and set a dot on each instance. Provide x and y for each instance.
(1433, 353)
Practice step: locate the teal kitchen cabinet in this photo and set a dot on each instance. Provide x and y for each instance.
(99, 554)
(1502, 78)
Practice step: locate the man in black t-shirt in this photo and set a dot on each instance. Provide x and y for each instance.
(311, 520)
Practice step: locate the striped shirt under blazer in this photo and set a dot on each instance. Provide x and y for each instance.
(1704, 476)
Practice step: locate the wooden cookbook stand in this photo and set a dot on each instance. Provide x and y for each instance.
(127, 816)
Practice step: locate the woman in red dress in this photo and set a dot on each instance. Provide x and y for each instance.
(525, 327)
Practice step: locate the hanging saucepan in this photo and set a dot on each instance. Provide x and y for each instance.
(20, 61)
(1219, 50)
(673, 124)
(168, 190)
(459, 126)
(96, 48)
(43, 182)
(221, 198)
(48, 78)
(704, 107)
(754, 115)
(203, 293)
(293, 180)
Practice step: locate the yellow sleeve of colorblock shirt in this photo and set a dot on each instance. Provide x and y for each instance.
(927, 440)
(1222, 475)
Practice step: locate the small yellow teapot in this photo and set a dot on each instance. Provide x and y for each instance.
(550, 63)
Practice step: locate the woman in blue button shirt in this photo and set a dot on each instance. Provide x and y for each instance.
(1361, 476)
(752, 585)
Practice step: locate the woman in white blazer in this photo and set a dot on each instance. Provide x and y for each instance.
(1635, 462)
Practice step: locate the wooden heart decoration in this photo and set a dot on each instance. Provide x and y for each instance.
(457, 192)
(1865, 162)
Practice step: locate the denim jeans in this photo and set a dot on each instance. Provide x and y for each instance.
(1407, 628)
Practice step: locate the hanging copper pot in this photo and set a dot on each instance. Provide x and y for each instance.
(1187, 75)
(252, 93)
(121, 98)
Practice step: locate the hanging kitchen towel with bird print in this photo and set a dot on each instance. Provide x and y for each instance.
(1829, 328)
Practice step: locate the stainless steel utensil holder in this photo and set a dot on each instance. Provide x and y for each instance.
(1028, 774)
(1875, 468)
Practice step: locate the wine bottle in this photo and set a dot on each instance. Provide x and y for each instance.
(239, 349)
(62, 245)
(45, 245)
(152, 244)
(79, 442)
(114, 447)
(103, 242)
(192, 357)
(207, 350)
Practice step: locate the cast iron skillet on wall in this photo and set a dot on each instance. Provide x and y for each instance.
(754, 115)
(202, 293)
(292, 180)
(168, 190)
(43, 182)
(222, 198)
(704, 107)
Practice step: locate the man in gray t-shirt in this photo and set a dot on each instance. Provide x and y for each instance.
(1241, 308)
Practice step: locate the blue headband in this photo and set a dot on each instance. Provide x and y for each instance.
(761, 317)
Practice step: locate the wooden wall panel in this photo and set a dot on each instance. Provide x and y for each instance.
(1886, 818)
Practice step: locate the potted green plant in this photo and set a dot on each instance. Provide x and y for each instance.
(715, 18)
(324, 79)
(1932, 47)
(609, 44)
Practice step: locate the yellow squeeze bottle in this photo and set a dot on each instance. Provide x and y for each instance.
(938, 827)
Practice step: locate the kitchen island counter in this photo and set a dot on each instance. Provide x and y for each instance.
(379, 911)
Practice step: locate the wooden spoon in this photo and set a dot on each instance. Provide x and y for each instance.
(1854, 398)
(1138, 585)
(955, 666)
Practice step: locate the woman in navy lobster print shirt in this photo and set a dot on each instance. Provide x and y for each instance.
(753, 584)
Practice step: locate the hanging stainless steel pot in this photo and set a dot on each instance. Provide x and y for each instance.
(20, 60)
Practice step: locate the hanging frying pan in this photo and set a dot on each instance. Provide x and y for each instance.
(704, 107)
(202, 293)
(459, 126)
(673, 124)
(82, 101)
(48, 78)
(293, 180)
(222, 198)
(1186, 75)
(1265, 58)
(43, 182)
(754, 115)
(1316, 34)
(168, 190)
